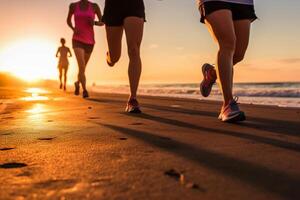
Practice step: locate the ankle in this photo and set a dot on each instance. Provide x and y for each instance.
(227, 102)
(132, 97)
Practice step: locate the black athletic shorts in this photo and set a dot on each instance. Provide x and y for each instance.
(239, 11)
(115, 11)
(88, 48)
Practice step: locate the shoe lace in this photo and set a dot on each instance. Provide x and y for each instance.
(236, 99)
(234, 102)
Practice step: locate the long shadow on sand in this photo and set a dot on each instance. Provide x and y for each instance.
(260, 139)
(276, 126)
(270, 180)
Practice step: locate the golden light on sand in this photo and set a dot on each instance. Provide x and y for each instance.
(36, 91)
(37, 109)
(36, 94)
(30, 60)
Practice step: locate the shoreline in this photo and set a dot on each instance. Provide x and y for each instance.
(200, 99)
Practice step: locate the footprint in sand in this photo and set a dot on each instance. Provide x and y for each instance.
(12, 165)
(8, 118)
(46, 138)
(136, 124)
(6, 149)
(6, 134)
(94, 118)
(165, 138)
(180, 177)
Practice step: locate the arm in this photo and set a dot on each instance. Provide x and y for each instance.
(70, 53)
(99, 15)
(58, 50)
(70, 14)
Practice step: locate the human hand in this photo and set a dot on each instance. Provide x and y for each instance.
(76, 31)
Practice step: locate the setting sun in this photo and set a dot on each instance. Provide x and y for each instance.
(30, 60)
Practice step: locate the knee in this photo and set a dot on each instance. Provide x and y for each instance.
(227, 44)
(134, 52)
(81, 72)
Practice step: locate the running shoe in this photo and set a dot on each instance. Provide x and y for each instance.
(77, 88)
(85, 94)
(209, 79)
(232, 113)
(108, 60)
(133, 106)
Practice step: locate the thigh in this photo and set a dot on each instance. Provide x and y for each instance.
(220, 25)
(87, 57)
(66, 70)
(242, 32)
(114, 39)
(80, 53)
(134, 29)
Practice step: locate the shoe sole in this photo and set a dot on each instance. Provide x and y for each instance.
(86, 95)
(108, 63)
(239, 117)
(135, 111)
(204, 79)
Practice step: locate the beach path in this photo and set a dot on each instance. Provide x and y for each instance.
(54, 145)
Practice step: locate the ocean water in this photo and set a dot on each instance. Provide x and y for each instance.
(278, 94)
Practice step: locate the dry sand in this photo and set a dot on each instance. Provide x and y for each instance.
(65, 147)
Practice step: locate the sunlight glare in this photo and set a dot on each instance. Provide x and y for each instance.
(36, 94)
(37, 109)
(30, 60)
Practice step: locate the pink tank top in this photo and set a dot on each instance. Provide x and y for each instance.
(84, 24)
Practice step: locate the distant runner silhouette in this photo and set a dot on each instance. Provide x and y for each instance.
(63, 53)
(128, 15)
(84, 13)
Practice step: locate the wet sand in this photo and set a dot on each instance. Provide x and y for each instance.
(57, 146)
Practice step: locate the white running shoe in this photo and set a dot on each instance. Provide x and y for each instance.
(232, 113)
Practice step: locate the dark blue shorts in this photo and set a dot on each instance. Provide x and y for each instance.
(115, 11)
(239, 11)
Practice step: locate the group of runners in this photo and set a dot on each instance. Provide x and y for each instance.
(228, 21)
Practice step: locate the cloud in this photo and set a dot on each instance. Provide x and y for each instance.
(271, 64)
(290, 60)
(179, 48)
(153, 46)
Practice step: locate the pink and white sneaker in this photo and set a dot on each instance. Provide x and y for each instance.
(209, 79)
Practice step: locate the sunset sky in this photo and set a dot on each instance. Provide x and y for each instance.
(174, 47)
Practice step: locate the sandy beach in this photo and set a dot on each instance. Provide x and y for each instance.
(54, 145)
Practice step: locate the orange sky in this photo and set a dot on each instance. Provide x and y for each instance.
(174, 47)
